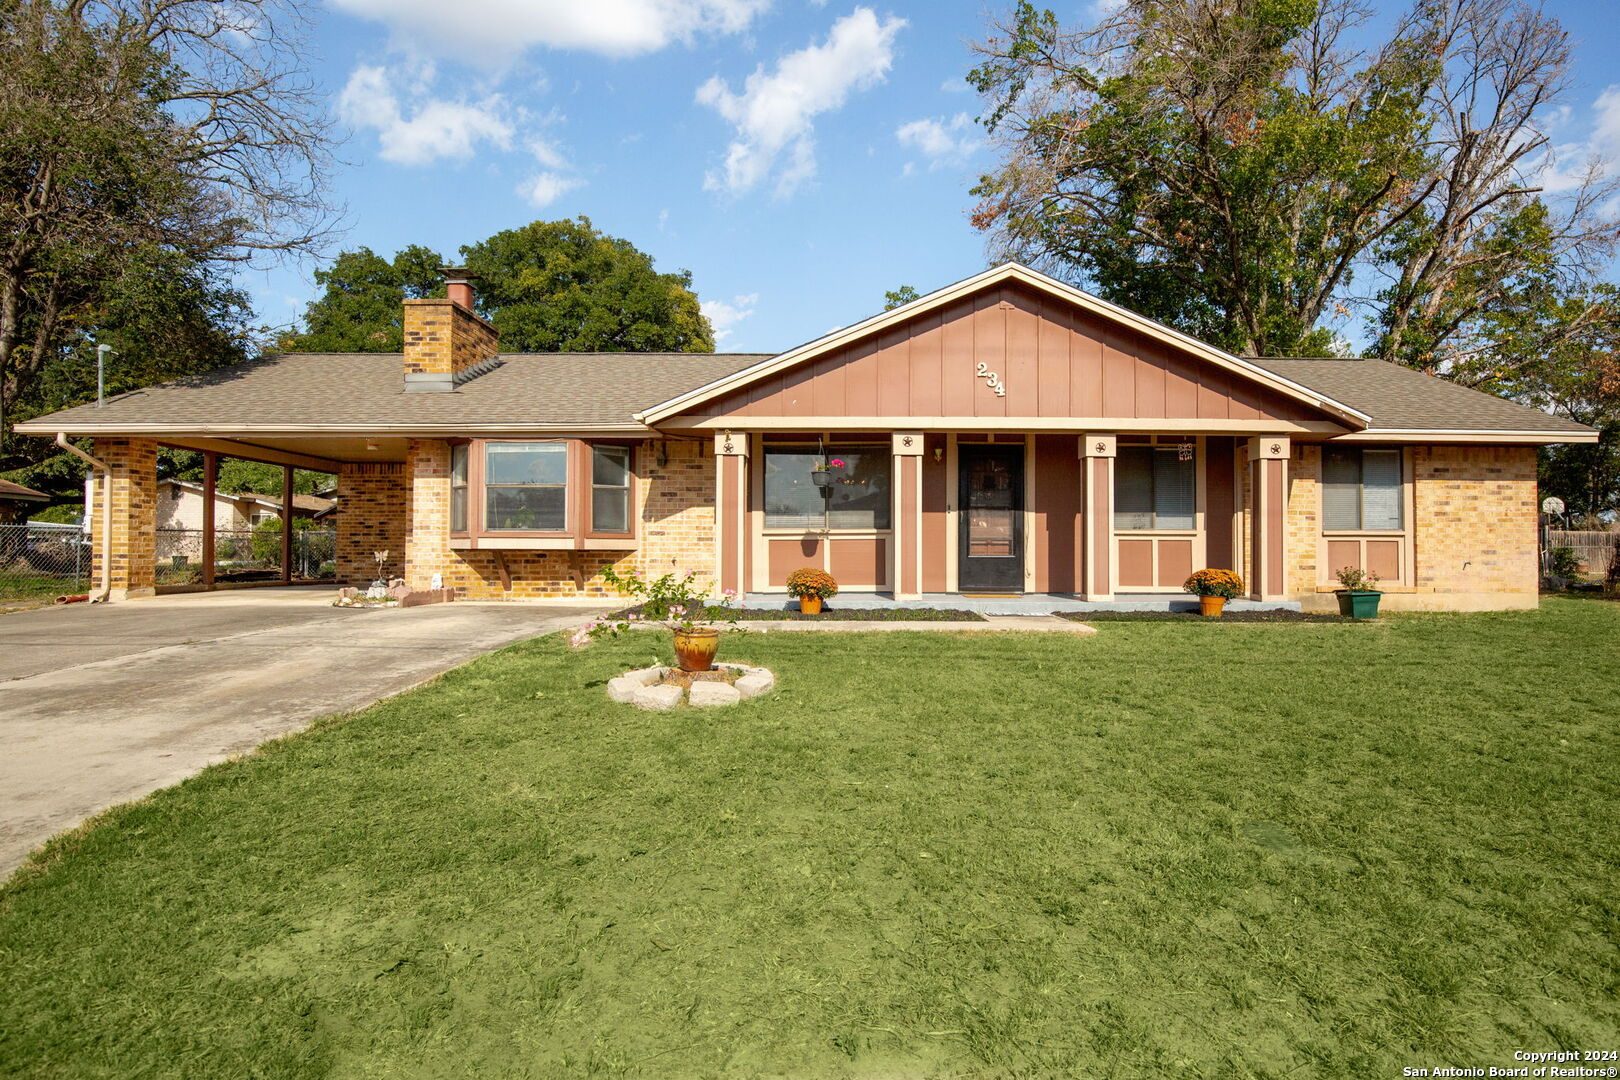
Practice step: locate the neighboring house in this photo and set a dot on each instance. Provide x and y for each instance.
(17, 502)
(1006, 434)
(180, 506)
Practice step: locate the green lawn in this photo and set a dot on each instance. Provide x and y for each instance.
(1190, 851)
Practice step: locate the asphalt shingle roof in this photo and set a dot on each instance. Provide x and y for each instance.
(361, 390)
(1402, 398)
(356, 389)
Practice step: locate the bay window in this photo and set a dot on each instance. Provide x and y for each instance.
(1155, 489)
(541, 494)
(1361, 490)
(525, 487)
(857, 498)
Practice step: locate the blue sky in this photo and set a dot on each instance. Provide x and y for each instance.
(800, 158)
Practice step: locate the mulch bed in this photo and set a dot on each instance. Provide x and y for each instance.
(843, 615)
(1193, 616)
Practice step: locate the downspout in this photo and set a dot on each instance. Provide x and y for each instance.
(106, 515)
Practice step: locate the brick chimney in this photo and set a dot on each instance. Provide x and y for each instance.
(446, 342)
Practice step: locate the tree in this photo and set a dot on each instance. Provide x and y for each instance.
(1231, 166)
(178, 136)
(905, 294)
(550, 286)
(360, 310)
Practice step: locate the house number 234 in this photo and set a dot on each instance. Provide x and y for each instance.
(991, 379)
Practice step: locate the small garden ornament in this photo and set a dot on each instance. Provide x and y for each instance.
(1213, 589)
(811, 586)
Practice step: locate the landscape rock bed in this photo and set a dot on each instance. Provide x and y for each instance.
(663, 688)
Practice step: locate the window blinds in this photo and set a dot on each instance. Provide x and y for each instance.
(1361, 489)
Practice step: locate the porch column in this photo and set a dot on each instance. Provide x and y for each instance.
(286, 524)
(906, 515)
(132, 517)
(1097, 535)
(210, 486)
(731, 511)
(1268, 517)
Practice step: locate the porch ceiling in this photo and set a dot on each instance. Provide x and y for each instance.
(321, 452)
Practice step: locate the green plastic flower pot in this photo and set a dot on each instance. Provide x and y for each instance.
(1358, 603)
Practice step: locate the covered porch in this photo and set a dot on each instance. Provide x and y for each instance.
(1003, 521)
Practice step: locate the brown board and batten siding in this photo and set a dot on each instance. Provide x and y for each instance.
(1055, 361)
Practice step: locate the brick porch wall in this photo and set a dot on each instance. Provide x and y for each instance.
(134, 515)
(674, 505)
(370, 518)
(1473, 530)
(1476, 522)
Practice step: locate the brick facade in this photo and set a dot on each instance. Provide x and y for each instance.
(1472, 537)
(133, 463)
(674, 506)
(444, 338)
(370, 517)
(1476, 521)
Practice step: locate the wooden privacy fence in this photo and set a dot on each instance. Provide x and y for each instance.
(1594, 547)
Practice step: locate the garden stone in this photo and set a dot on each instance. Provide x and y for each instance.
(624, 688)
(757, 682)
(713, 693)
(659, 698)
(649, 676)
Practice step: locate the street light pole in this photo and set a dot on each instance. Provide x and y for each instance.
(101, 374)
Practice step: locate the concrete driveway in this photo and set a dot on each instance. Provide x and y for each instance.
(103, 704)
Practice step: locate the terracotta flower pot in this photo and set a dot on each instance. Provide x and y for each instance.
(810, 605)
(1211, 605)
(695, 648)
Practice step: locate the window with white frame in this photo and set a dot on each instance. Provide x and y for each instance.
(1155, 489)
(1361, 490)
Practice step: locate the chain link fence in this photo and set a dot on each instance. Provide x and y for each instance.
(41, 560)
(245, 555)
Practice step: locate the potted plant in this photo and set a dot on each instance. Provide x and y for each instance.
(822, 472)
(811, 586)
(1359, 597)
(693, 619)
(1213, 589)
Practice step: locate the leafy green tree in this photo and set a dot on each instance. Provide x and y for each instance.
(360, 309)
(905, 294)
(1232, 169)
(562, 286)
(135, 138)
(550, 286)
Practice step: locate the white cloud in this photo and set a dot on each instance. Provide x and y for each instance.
(545, 188)
(494, 31)
(1567, 165)
(725, 316)
(773, 113)
(940, 141)
(426, 130)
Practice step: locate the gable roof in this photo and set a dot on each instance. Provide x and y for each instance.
(9, 490)
(1006, 272)
(1402, 401)
(313, 505)
(363, 393)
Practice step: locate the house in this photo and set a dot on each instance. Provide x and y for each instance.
(1008, 434)
(180, 506)
(17, 502)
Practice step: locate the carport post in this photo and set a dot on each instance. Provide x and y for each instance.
(210, 482)
(286, 524)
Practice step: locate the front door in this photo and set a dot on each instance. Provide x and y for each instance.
(991, 558)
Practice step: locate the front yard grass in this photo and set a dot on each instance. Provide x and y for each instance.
(1168, 850)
